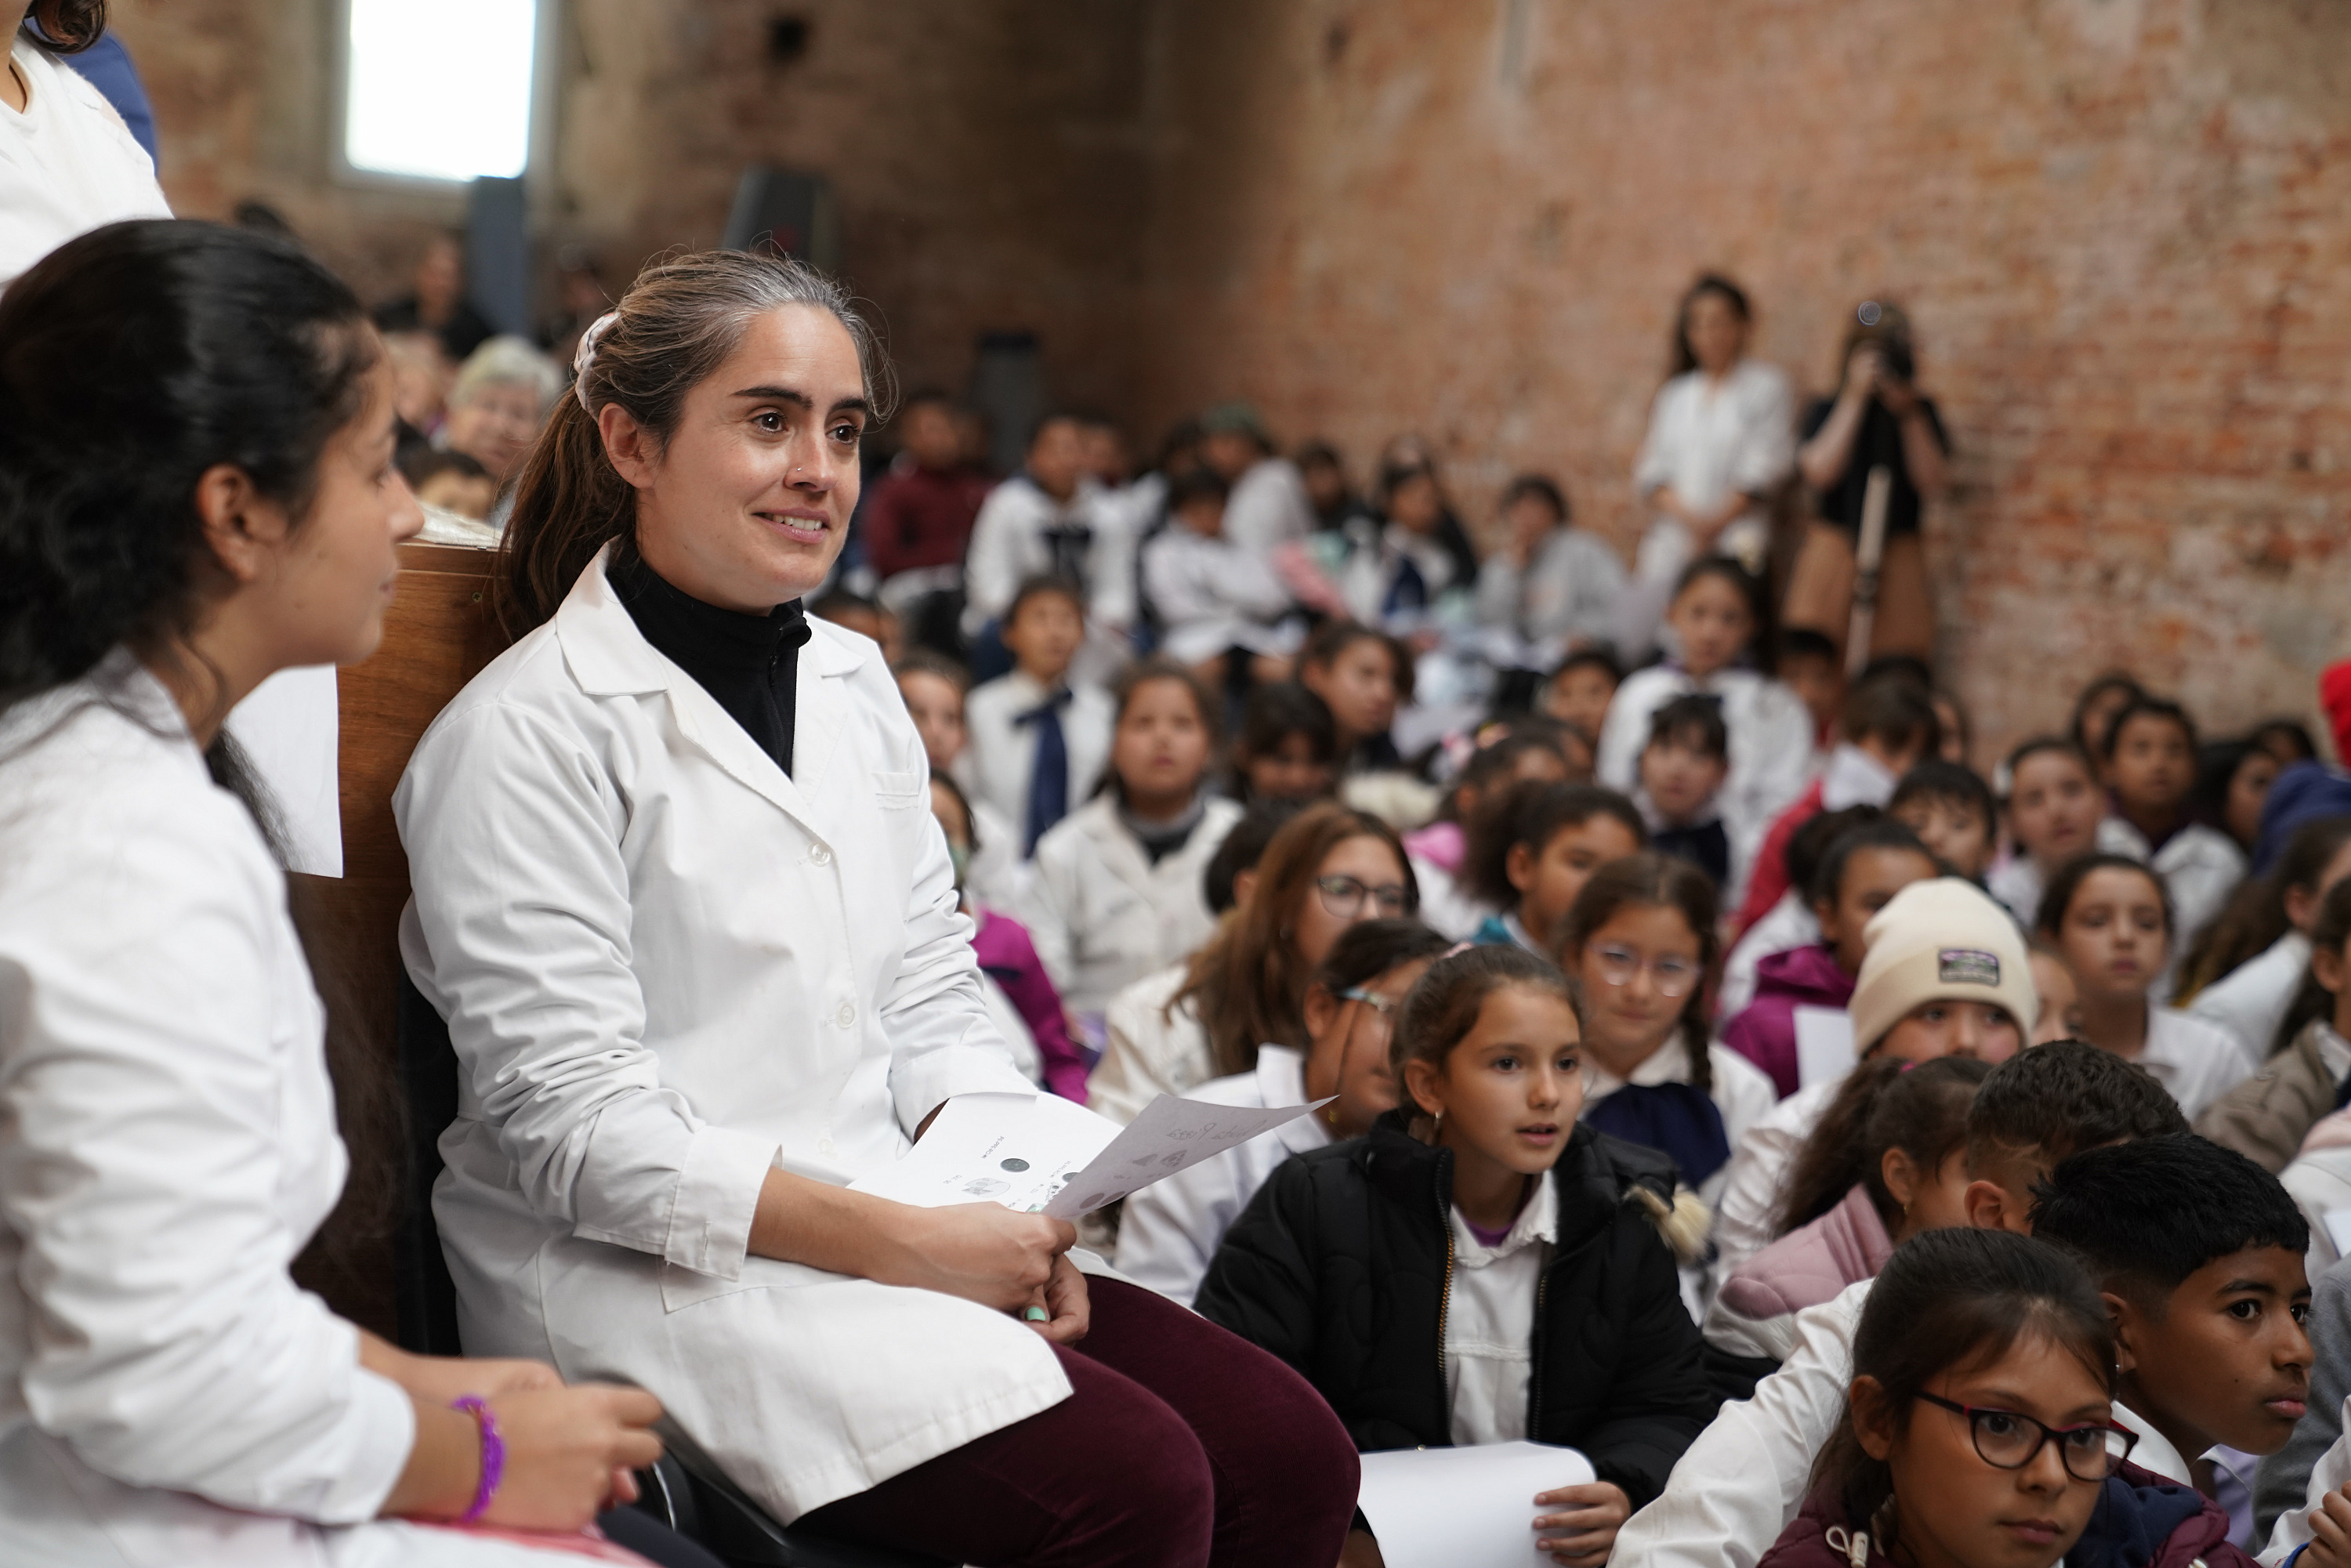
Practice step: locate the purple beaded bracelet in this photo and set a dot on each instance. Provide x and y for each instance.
(494, 1456)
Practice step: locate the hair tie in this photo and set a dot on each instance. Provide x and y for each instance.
(583, 359)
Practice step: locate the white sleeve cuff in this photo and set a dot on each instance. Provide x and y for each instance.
(717, 1193)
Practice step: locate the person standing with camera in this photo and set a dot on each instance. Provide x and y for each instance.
(1878, 418)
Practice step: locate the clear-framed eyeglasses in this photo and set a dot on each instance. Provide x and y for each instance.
(1672, 975)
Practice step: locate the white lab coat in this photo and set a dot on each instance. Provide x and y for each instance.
(1150, 1048)
(1102, 916)
(1770, 734)
(668, 967)
(1566, 596)
(168, 1397)
(2251, 1001)
(1269, 507)
(1760, 1158)
(995, 766)
(2194, 1061)
(1008, 546)
(1170, 1230)
(1210, 595)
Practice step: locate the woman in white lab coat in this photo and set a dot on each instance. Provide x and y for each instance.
(196, 491)
(680, 896)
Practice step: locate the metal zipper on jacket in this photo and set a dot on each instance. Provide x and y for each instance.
(1444, 1295)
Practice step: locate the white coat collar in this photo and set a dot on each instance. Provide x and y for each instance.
(2154, 1450)
(1282, 1080)
(609, 657)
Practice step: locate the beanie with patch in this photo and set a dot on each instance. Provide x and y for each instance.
(1940, 940)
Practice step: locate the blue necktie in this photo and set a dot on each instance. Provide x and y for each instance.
(1048, 780)
(1069, 544)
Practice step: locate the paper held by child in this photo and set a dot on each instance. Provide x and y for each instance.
(1464, 1508)
(1043, 1153)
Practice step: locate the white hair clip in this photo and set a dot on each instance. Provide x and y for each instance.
(584, 358)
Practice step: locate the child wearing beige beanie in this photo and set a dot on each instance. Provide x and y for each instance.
(1946, 973)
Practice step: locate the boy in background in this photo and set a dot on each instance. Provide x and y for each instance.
(1039, 739)
(1580, 690)
(1951, 808)
(1682, 770)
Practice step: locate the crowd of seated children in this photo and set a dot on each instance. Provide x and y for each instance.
(2268, 1116)
(1679, 785)
(1529, 753)
(1169, 1230)
(1741, 1482)
(1887, 1162)
(1117, 891)
(1951, 808)
(1944, 973)
(1482, 1220)
(1021, 998)
(1714, 614)
(1205, 1016)
(2110, 916)
(1533, 848)
(2054, 806)
(1859, 876)
(1888, 728)
(1038, 738)
(2244, 972)
(1286, 748)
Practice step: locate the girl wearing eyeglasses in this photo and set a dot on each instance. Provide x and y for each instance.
(1170, 1229)
(1482, 1267)
(1328, 869)
(1979, 1428)
(1641, 941)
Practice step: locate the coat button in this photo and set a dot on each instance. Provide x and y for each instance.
(846, 1016)
(819, 855)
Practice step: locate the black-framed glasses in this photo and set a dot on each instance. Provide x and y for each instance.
(1343, 897)
(2007, 1440)
(1674, 976)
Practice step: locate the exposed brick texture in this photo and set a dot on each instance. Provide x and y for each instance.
(2123, 227)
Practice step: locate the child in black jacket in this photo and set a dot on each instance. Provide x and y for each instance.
(1482, 1267)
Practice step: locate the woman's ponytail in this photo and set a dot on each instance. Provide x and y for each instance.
(568, 503)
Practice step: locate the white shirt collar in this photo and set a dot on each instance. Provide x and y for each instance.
(2154, 1451)
(1854, 777)
(1669, 1064)
(1537, 1222)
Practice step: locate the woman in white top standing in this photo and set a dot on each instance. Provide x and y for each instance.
(196, 490)
(680, 896)
(1723, 438)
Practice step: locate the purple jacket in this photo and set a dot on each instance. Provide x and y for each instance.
(1765, 1034)
(1005, 951)
(1812, 1264)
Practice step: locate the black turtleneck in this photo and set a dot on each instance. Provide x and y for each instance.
(750, 664)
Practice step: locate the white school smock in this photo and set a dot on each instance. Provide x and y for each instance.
(1743, 1221)
(1103, 914)
(68, 163)
(1008, 546)
(1565, 597)
(1210, 595)
(668, 967)
(2251, 1001)
(1771, 736)
(2195, 1062)
(1269, 507)
(168, 1397)
(1150, 1048)
(1169, 1231)
(995, 766)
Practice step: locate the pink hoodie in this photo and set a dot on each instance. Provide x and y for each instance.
(1765, 1034)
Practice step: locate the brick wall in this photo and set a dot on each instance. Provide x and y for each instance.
(2122, 227)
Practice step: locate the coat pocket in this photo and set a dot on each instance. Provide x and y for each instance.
(898, 791)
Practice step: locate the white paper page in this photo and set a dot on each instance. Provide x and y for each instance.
(289, 728)
(1039, 1153)
(2338, 1230)
(1824, 1050)
(1017, 1150)
(1171, 1134)
(1464, 1508)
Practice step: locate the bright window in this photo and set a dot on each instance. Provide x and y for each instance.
(440, 89)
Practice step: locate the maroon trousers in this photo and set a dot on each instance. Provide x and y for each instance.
(1181, 1447)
